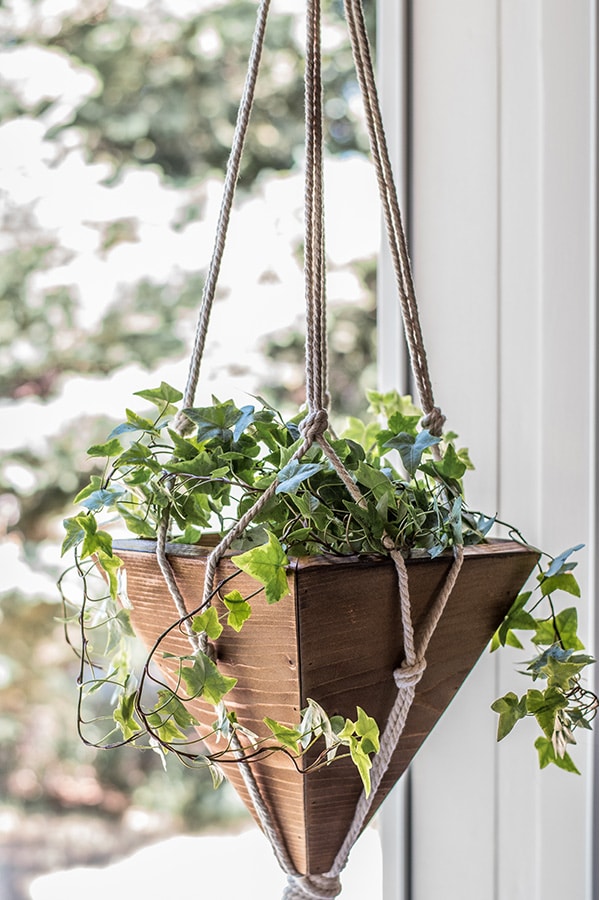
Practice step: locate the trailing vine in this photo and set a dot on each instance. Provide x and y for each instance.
(206, 481)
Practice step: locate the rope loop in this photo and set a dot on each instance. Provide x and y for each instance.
(314, 425)
(434, 421)
(312, 887)
(409, 675)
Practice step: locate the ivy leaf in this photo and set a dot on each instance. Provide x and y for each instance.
(559, 666)
(289, 737)
(510, 709)
(208, 622)
(451, 466)
(563, 674)
(485, 524)
(455, 520)
(111, 565)
(375, 481)
(138, 455)
(544, 706)
(578, 718)
(134, 423)
(109, 448)
(558, 563)
(362, 737)
(564, 581)
(360, 433)
(203, 679)
(165, 729)
(123, 715)
(404, 423)
(183, 448)
(75, 533)
(291, 476)
(245, 419)
(123, 617)
(547, 755)
(135, 524)
(563, 626)
(411, 448)
(516, 618)
(103, 498)
(391, 402)
(172, 705)
(201, 466)
(94, 540)
(239, 610)
(95, 484)
(368, 730)
(165, 394)
(266, 563)
(214, 421)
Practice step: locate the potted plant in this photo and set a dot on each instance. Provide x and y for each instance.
(258, 666)
(297, 591)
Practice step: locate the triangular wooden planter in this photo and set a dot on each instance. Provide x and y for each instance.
(337, 639)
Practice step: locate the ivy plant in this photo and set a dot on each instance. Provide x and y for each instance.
(205, 480)
(559, 703)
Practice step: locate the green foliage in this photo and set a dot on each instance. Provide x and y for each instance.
(210, 478)
(239, 610)
(267, 564)
(203, 679)
(563, 704)
(362, 737)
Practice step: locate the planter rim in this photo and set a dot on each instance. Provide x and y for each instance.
(491, 547)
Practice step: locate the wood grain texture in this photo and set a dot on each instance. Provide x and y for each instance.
(337, 639)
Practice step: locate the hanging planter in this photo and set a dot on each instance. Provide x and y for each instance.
(336, 639)
(310, 647)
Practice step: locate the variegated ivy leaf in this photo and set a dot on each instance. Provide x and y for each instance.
(267, 563)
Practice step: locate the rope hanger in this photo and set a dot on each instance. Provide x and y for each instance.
(314, 426)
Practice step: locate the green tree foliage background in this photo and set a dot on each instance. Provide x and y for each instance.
(99, 93)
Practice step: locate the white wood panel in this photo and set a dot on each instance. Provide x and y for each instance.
(454, 234)
(556, 420)
(504, 246)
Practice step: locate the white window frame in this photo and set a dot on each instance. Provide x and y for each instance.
(490, 107)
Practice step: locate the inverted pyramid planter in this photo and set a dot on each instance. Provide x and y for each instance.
(337, 640)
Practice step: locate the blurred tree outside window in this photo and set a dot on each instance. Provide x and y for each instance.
(116, 118)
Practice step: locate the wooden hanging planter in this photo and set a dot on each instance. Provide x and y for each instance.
(336, 639)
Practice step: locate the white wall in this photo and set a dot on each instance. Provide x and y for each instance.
(499, 128)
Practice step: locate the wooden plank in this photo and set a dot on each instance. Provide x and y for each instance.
(337, 639)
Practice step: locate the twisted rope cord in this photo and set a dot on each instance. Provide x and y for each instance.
(314, 254)
(407, 677)
(182, 423)
(320, 887)
(312, 887)
(231, 178)
(198, 642)
(433, 419)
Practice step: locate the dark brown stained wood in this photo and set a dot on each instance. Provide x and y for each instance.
(336, 639)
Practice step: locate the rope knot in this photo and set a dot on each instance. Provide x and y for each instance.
(314, 425)
(312, 887)
(434, 421)
(409, 675)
